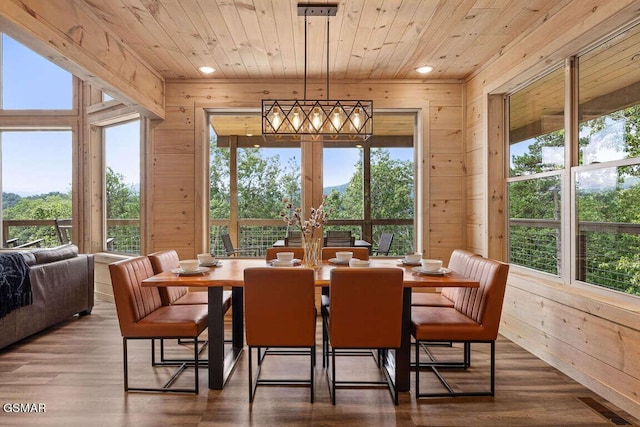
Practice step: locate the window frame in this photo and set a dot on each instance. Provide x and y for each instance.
(569, 214)
(310, 194)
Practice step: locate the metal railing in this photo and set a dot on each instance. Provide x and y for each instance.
(123, 234)
(607, 253)
(258, 235)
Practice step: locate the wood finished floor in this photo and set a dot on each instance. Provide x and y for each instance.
(75, 369)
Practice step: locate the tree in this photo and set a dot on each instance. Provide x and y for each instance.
(123, 201)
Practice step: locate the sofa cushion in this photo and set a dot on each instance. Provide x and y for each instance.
(47, 255)
(28, 256)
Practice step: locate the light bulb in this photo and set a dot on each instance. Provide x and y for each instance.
(296, 122)
(336, 120)
(276, 119)
(316, 121)
(356, 120)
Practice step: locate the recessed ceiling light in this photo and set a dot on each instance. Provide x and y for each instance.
(207, 70)
(424, 69)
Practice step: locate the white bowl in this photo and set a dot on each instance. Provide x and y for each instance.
(414, 257)
(206, 259)
(344, 256)
(355, 262)
(431, 264)
(285, 256)
(189, 265)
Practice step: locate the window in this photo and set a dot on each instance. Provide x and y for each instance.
(536, 160)
(30, 82)
(36, 160)
(603, 185)
(607, 177)
(36, 185)
(266, 172)
(370, 186)
(122, 187)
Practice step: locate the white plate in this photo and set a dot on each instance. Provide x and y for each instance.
(440, 272)
(336, 261)
(405, 262)
(216, 263)
(358, 263)
(291, 263)
(197, 271)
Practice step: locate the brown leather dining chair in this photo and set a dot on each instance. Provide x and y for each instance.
(179, 295)
(475, 318)
(279, 313)
(447, 297)
(327, 254)
(458, 262)
(168, 260)
(141, 315)
(365, 312)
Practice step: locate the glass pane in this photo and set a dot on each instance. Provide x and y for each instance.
(30, 82)
(392, 183)
(534, 223)
(219, 194)
(536, 126)
(265, 177)
(122, 165)
(342, 183)
(36, 184)
(609, 94)
(608, 240)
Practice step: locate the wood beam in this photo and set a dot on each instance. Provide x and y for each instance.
(68, 34)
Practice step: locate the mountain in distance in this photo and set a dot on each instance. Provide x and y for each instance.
(339, 188)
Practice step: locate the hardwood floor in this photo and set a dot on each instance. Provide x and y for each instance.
(75, 369)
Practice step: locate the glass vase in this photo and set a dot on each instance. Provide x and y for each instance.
(311, 246)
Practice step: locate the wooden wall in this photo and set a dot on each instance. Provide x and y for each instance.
(177, 208)
(592, 336)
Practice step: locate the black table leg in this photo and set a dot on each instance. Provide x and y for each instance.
(221, 365)
(403, 354)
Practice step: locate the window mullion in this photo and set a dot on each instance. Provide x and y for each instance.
(568, 213)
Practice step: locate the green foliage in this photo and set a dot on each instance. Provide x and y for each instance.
(610, 259)
(47, 206)
(123, 201)
(9, 199)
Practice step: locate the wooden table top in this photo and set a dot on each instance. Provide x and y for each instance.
(231, 273)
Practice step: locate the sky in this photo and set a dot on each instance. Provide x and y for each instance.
(40, 162)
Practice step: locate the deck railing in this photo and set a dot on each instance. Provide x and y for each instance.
(258, 235)
(601, 250)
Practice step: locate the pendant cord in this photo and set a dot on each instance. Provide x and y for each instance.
(305, 56)
(328, 57)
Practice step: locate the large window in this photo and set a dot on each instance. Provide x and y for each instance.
(36, 159)
(36, 186)
(607, 178)
(536, 159)
(265, 173)
(122, 187)
(370, 186)
(30, 82)
(603, 181)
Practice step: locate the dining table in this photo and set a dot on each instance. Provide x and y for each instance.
(229, 272)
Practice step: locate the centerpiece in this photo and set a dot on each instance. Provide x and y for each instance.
(310, 228)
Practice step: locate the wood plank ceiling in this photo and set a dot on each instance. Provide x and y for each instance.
(372, 39)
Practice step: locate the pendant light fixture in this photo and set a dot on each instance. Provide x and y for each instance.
(333, 120)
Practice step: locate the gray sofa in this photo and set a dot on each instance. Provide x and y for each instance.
(62, 286)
